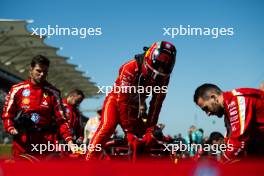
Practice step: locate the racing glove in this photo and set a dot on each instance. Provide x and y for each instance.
(149, 139)
(131, 138)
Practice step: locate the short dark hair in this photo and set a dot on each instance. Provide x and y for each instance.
(201, 130)
(202, 91)
(40, 60)
(76, 92)
(215, 136)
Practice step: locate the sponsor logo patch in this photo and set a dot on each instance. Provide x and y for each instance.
(26, 101)
(35, 117)
(26, 92)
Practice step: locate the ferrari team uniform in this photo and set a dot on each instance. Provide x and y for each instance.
(74, 120)
(244, 119)
(36, 112)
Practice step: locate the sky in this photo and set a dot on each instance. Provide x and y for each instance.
(230, 61)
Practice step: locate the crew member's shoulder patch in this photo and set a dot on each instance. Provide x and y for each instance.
(26, 92)
(130, 67)
(18, 88)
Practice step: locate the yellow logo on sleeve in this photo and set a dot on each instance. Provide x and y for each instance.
(25, 101)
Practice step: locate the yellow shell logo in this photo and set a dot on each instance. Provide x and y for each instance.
(25, 101)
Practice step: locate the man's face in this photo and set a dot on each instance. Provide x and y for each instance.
(38, 74)
(75, 100)
(211, 106)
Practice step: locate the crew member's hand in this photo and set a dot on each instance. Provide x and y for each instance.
(131, 138)
(149, 138)
(13, 131)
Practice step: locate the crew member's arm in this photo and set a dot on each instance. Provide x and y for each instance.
(9, 111)
(240, 116)
(156, 103)
(154, 110)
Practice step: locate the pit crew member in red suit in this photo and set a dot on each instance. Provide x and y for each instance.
(31, 108)
(71, 103)
(243, 109)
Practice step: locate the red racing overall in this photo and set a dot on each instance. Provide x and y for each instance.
(122, 107)
(244, 118)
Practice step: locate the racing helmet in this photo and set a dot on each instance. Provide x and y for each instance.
(159, 59)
